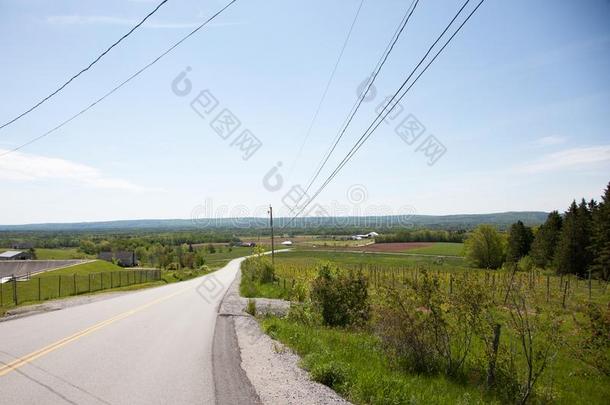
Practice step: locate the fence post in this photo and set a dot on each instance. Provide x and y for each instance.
(15, 298)
(450, 284)
(510, 285)
(491, 371)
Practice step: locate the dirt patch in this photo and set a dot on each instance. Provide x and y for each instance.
(393, 247)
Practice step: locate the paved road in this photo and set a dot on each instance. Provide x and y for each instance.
(150, 347)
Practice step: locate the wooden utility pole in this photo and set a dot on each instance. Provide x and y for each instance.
(272, 241)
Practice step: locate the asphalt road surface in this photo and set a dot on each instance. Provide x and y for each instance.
(150, 347)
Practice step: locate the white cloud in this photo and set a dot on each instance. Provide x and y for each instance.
(549, 140)
(568, 159)
(24, 167)
(109, 20)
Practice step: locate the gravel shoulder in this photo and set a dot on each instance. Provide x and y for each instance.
(272, 368)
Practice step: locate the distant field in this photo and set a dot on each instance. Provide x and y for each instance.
(307, 241)
(219, 259)
(441, 249)
(366, 245)
(61, 254)
(97, 266)
(381, 259)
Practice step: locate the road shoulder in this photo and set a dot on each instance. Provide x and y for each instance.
(270, 368)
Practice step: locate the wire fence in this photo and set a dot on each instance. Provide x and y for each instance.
(27, 289)
(566, 291)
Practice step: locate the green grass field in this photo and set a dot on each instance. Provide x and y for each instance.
(441, 249)
(378, 259)
(97, 266)
(79, 279)
(220, 259)
(366, 374)
(368, 377)
(61, 254)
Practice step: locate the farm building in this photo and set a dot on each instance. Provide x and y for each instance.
(370, 235)
(15, 255)
(123, 259)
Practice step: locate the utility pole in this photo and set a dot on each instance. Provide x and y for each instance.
(272, 242)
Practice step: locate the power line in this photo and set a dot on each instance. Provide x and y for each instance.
(328, 83)
(384, 57)
(60, 88)
(379, 119)
(130, 78)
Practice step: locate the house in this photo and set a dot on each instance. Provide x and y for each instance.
(123, 258)
(15, 255)
(286, 243)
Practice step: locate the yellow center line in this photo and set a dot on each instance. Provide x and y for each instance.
(15, 364)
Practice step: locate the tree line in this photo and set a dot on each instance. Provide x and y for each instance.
(422, 235)
(577, 242)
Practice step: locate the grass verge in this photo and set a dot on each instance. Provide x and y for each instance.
(353, 364)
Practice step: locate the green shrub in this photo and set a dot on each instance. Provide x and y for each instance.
(526, 264)
(593, 347)
(299, 292)
(341, 297)
(304, 314)
(258, 268)
(332, 374)
(429, 331)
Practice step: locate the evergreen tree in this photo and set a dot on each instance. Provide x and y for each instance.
(545, 241)
(573, 254)
(519, 242)
(601, 236)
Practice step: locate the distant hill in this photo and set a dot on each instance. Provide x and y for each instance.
(449, 222)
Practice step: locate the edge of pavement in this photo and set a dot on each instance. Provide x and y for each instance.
(250, 367)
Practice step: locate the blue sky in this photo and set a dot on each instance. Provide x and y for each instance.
(520, 100)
